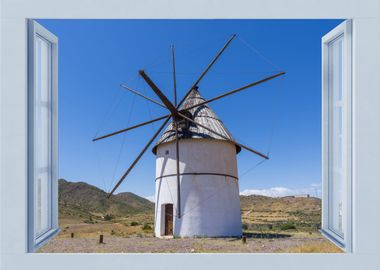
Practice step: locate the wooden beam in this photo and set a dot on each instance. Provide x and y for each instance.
(138, 158)
(159, 93)
(141, 95)
(130, 128)
(212, 62)
(237, 90)
(205, 71)
(224, 137)
(176, 140)
(174, 78)
(177, 165)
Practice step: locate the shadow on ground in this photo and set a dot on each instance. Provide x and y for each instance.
(266, 235)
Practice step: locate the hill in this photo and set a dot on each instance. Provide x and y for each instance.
(261, 212)
(126, 221)
(81, 200)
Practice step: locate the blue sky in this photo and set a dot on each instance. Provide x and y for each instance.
(282, 117)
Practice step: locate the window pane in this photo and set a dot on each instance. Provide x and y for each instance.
(42, 136)
(336, 137)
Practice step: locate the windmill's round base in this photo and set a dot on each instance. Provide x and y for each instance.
(209, 191)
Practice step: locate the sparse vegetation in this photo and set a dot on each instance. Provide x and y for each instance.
(147, 227)
(83, 200)
(126, 221)
(88, 221)
(108, 217)
(273, 214)
(288, 226)
(324, 247)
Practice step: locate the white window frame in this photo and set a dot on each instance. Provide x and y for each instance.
(36, 31)
(344, 31)
(366, 130)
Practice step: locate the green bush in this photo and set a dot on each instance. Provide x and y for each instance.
(288, 226)
(108, 217)
(134, 223)
(88, 221)
(147, 227)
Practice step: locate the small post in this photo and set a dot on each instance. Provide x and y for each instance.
(101, 239)
(72, 235)
(244, 239)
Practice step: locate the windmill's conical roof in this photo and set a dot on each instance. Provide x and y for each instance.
(203, 115)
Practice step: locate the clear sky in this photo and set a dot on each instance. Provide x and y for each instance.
(282, 117)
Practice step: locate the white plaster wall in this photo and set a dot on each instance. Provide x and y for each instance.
(197, 155)
(210, 204)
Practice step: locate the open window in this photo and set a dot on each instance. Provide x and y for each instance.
(43, 135)
(336, 135)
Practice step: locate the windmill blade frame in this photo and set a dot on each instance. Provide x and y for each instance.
(197, 105)
(177, 170)
(159, 93)
(225, 137)
(177, 105)
(244, 87)
(141, 95)
(175, 114)
(130, 128)
(176, 139)
(206, 70)
(138, 158)
(212, 62)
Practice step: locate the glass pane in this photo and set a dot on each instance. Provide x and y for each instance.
(42, 137)
(336, 137)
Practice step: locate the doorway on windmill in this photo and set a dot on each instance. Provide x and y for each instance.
(168, 212)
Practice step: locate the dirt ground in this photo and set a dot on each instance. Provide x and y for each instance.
(119, 238)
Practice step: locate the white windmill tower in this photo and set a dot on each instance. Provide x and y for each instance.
(209, 196)
(197, 191)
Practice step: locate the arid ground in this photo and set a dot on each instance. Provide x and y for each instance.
(119, 239)
(285, 224)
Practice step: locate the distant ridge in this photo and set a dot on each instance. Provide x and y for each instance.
(79, 199)
(258, 203)
(281, 213)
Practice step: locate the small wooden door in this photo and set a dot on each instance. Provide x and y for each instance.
(169, 219)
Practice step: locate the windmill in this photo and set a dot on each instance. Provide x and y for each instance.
(195, 161)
